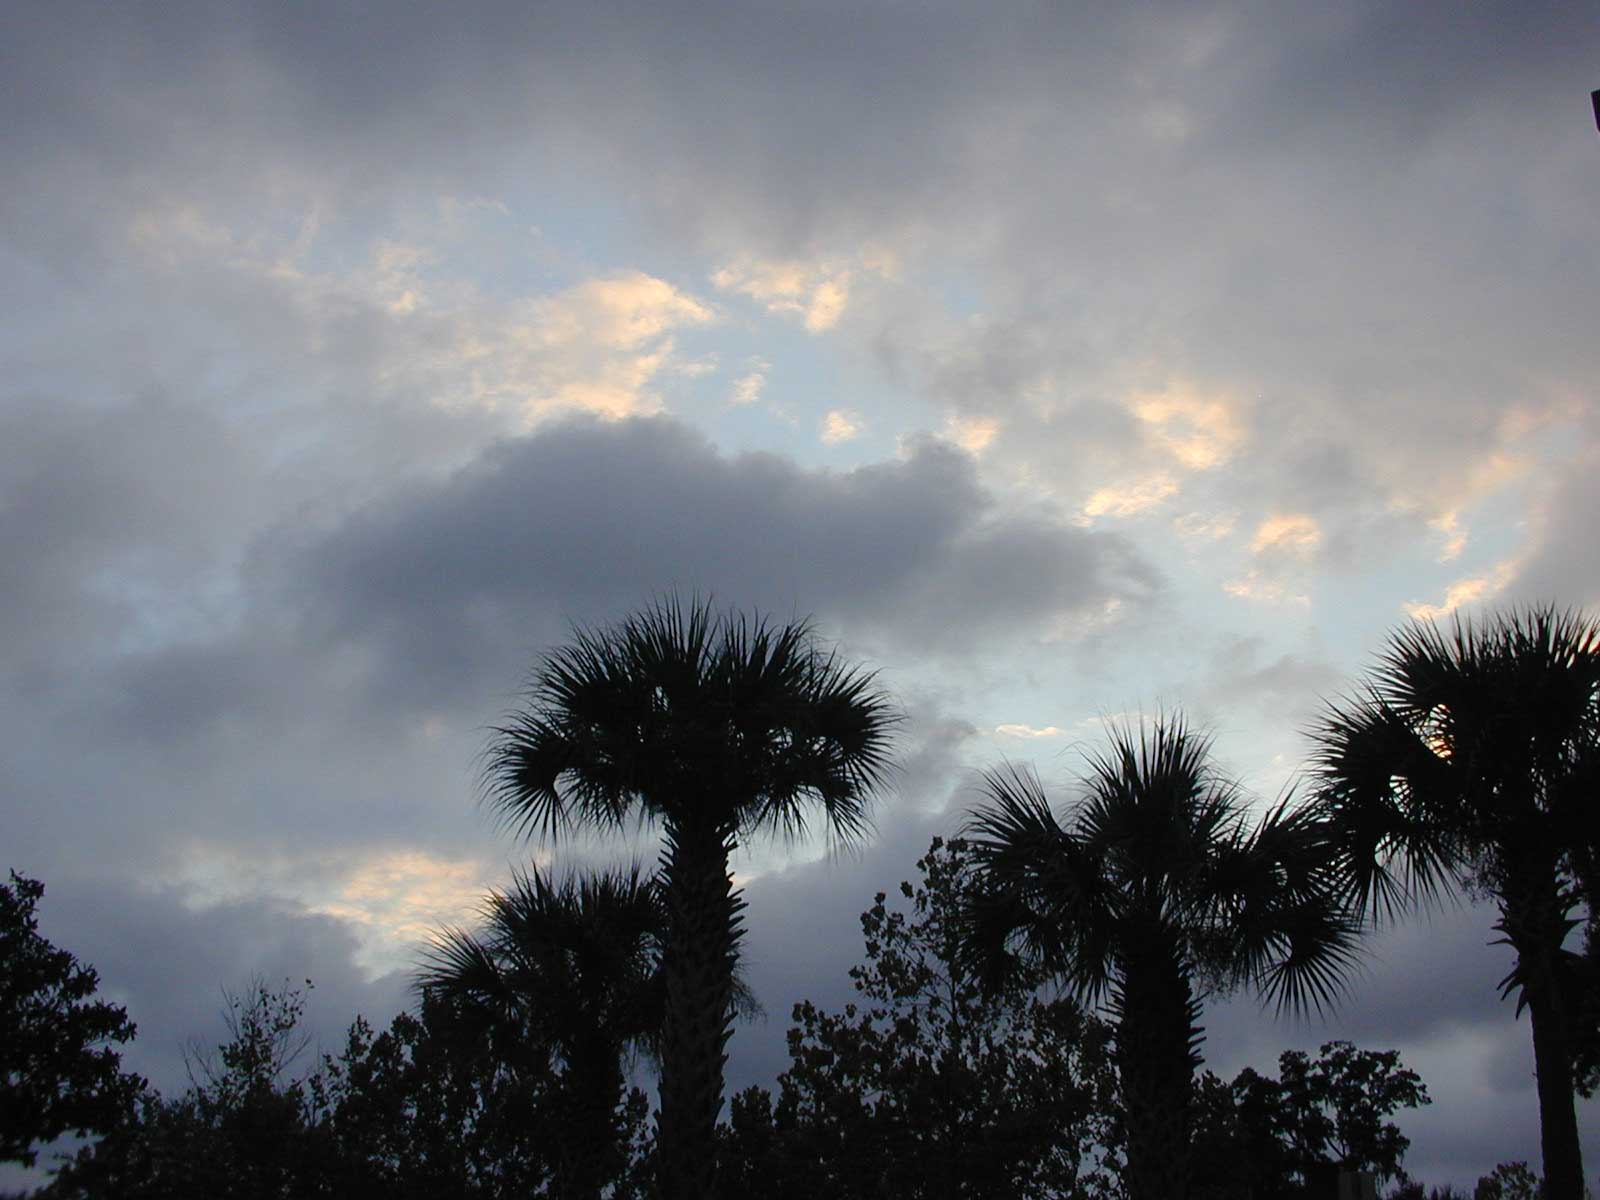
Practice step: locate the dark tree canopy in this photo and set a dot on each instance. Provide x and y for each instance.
(1154, 889)
(572, 963)
(58, 1071)
(930, 1086)
(439, 1106)
(1259, 1137)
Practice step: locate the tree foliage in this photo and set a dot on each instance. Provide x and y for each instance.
(573, 964)
(929, 1086)
(58, 1071)
(1256, 1136)
(1156, 889)
(437, 1105)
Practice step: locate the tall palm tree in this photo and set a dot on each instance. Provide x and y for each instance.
(1472, 760)
(1155, 891)
(572, 964)
(717, 727)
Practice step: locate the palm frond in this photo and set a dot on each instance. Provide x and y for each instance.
(1041, 901)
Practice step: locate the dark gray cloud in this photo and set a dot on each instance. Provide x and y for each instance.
(588, 519)
(335, 694)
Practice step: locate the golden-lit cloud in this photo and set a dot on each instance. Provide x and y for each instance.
(393, 900)
(406, 896)
(599, 346)
(623, 312)
(1261, 588)
(841, 425)
(748, 387)
(1293, 533)
(1199, 431)
(596, 347)
(972, 434)
(1454, 534)
(1132, 499)
(1466, 591)
(816, 292)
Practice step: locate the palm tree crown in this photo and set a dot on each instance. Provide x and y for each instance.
(1472, 759)
(572, 964)
(717, 727)
(1154, 892)
(690, 717)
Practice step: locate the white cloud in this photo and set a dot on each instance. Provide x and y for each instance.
(1199, 431)
(1449, 526)
(972, 434)
(748, 387)
(1131, 500)
(1296, 534)
(1027, 731)
(1263, 589)
(817, 292)
(841, 425)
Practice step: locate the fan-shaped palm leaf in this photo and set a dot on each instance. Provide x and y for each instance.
(1473, 760)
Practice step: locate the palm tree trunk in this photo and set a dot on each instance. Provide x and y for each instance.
(594, 1091)
(1156, 1036)
(1534, 922)
(697, 964)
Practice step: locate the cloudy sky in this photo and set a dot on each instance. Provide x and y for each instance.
(1063, 362)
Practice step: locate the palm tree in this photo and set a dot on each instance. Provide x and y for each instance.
(1472, 760)
(718, 728)
(1155, 892)
(572, 964)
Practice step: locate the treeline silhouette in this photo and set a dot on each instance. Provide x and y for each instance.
(1028, 1013)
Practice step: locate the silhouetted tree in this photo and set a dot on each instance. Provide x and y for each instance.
(1256, 1137)
(719, 728)
(1155, 891)
(58, 1071)
(243, 1130)
(440, 1106)
(1473, 760)
(575, 965)
(931, 1087)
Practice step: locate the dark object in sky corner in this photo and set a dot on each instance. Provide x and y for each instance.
(1595, 99)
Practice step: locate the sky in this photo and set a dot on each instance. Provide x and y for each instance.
(1063, 361)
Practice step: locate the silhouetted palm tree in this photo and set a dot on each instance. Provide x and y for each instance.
(717, 727)
(573, 965)
(1155, 891)
(1473, 759)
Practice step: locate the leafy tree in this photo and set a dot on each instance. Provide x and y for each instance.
(719, 728)
(1472, 760)
(445, 1104)
(1257, 1136)
(1241, 1148)
(243, 1129)
(1156, 891)
(930, 1086)
(1509, 1181)
(574, 964)
(440, 1106)
(58, 1071)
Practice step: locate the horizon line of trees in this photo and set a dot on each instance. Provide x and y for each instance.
(1469, 761)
